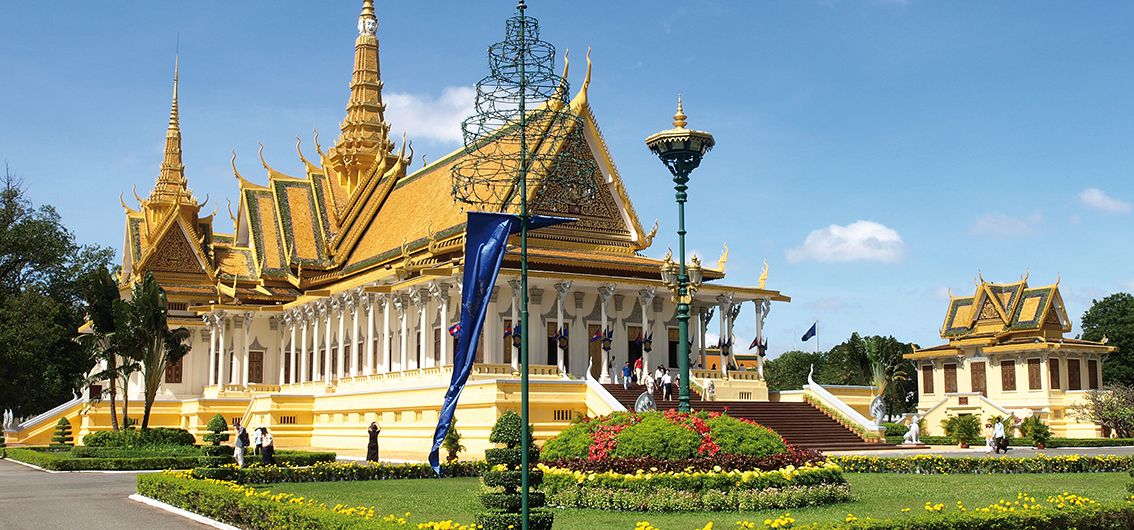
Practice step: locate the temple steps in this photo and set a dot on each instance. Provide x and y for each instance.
(800, 424)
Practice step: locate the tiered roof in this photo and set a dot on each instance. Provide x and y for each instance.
(1004, 316)
(357, 214)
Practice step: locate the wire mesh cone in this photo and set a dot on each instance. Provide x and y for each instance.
(560, 172)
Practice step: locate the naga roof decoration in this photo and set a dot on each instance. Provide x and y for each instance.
(357, 212)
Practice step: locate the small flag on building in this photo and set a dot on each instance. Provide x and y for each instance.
(597, 336)
(508, 331)
(810, 333)
(455, 330)
(755, 343)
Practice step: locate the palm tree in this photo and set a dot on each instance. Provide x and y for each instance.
(142, 326)
(100, 294)
(888, 368)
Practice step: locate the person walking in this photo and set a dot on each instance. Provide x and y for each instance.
(626, 376)
(710, 390)
(998, 435)
(241, 442)
(638, 368)
(257, 433)
(988, 437)
(267, 447)
(372, 444)
(650, 385)
(666, 384)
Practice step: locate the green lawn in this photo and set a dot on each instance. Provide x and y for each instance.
(879, 496)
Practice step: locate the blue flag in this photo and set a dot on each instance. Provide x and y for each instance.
(810, 333)
(486, 241)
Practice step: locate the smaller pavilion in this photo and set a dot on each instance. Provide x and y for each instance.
(1006, 353)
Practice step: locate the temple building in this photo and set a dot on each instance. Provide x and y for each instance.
(328, 303)
(1006, 353)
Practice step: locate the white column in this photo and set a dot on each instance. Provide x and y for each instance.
(403, 346)
(340, 305)
(604, 295)
(384, 301)
(221, 349)
(280, 331)
(646, 298)
(306, 317)
(368, 306)
(212, 348)
(424, 357)
(724, 306)
(355, 352)
(293, 320)
(763, 306)
(508, 342)
(441, 294)
(328, 365)
(316, 339)
(561, 291)
(247, 340)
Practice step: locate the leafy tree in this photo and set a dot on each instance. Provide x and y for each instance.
(789, 370)
(1112, 408)
(62, 434)
(892, 374)
(1113, 318)
(143, 329)
(41, 309)
(847, 363)
(452, 442)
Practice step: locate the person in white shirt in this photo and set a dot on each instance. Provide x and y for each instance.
(268, 447)
(998, 436)
(257, 433)
(667, 386)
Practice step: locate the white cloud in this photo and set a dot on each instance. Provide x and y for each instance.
(858, 241)
(999, 224)
(426, 118)
(1099, 200)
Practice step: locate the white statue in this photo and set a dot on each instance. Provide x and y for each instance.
(913, 436)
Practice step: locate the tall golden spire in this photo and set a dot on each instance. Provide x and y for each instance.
(171, 184)
(365, 133)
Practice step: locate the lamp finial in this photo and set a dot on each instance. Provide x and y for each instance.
(679, 118)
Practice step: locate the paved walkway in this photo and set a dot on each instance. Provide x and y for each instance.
(950, 450)
(35, 500)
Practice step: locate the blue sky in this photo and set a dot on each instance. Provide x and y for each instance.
(876, 153)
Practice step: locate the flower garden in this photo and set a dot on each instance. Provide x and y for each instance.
(649, 471)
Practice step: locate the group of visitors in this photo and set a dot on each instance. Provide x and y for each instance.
(261, 442)
(996, 433)
(660, 379)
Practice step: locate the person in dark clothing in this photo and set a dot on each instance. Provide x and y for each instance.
(267, 448)
(372, 446)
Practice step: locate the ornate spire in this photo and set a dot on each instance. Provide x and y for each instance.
(679, 117)
(364, 141)
(171, 184)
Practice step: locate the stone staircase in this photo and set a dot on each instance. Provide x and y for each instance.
(801, 424)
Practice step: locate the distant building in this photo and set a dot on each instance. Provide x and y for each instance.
(1007, 353)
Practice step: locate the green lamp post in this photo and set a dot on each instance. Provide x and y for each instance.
(681, 150)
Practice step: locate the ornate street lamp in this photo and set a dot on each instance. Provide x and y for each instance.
(681, 150)
(522, 106)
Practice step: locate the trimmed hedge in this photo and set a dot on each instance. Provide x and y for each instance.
(129, 452)
(1099, 517)
(342, 471)
(1027, 442)
(238, 506)
(158, 436)
(793, 457)
(671, 500)
(934, 464)
(63, 461)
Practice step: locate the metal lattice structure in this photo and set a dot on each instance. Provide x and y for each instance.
(522, 129)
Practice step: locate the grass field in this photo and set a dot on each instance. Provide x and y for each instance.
(879, 496)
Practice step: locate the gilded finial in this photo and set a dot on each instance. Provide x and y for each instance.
(649, 238)
(668, 255)
(173, 112)
(262, 161)
(763, 279)
(586, 77)
(318, 148)
(679, 117)
(206, 201)
(231, 215)
(299, 150)
(138, 197)
(723, 259)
